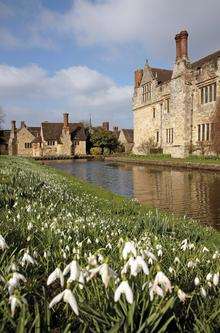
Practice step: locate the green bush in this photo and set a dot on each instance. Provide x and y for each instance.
(106, 151)
(96, 151)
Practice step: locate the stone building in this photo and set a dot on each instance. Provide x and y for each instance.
(126, 138)
(176, 109)
(50, 139)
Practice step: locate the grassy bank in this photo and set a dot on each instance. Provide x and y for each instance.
(131, 269)
(215, 160)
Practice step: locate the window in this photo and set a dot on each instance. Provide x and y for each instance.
(168, 105)
(146, 92)
(157, 136)
(154, 113)
(205, 132)
(208, 93)
(169, 135)
(28, 145)
(51, 143)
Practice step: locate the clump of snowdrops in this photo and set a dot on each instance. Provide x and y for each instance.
(76, 260)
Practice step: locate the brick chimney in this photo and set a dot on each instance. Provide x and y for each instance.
(13, 129)
(115, 129)
(23, 124)
(138, 74)
(105, 125)
(66, 120)
(184, 44)
(178, 47)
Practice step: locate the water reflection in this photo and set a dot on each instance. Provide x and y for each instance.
(183, 192)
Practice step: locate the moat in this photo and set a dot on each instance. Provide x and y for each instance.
(182, 192)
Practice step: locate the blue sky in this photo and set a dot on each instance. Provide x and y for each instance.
(78, 56)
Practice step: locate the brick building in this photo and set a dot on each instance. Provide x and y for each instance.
(177, 108)
(50, 139)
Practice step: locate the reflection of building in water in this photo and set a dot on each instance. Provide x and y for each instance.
(183, 192)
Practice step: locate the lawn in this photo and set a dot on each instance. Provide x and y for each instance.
(76, 258)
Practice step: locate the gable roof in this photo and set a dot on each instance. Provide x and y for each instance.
(35, 131)
(211, 57)
(162, 75)
(53, 131)
(129, 134)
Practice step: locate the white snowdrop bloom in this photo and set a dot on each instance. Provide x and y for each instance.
(104, 271)
(74, 270)
(155, 289)
(27, 259)
(184, 245)
(203, 292)
(100, 258)
(215, 255)
(28, 238)
(171, 270)
(196, 281)
(56, 274)
(209, 283)
(129, 248)
(150, 255)
(182, 296)
(92, 260)
(191, 264)
(176, 260)
(216, 279)
(3, 244)
(30, 226)
(137, 265)
(81, 280)
(191, 246)
(159, 253)
(15, 302)
(209, 277)
(205, 249)
(163, 280)
(125, 289)
(14, 282)
(68, 297)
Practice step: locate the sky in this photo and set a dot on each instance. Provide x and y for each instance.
(79, 56)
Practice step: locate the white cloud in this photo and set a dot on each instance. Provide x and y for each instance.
(77, 89)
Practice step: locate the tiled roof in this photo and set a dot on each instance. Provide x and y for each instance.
(53, 131)
(34, 130)
(129, 134)
(162, 75)
(211, 57)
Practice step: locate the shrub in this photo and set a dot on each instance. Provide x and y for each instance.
(96, 151)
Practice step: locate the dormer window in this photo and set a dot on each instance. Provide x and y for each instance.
(146, 92)
(51, 143)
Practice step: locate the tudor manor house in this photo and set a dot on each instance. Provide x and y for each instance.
(176, 109)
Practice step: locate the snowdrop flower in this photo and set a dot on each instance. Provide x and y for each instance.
(104, 271)
(15, 302)
(92, 260)
(191, 264)
(159, 253)
(171, 270)
(30, 226)
(125, 289)
(56, 274)
(215, 255)
(196, 281)
(129, 247)
(216, 279)
(205, 249)
(74, 270)
(209, 277)
(155, 289)
(68, 297)
(182, 296)
(163, 280)
(14, 282)
(3, 244)
(27, 259)
(184, 245)
(203, 292)
(136, 265)
(176, 260)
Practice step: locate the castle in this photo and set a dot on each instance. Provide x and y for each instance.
(175, 110)
(50, 139)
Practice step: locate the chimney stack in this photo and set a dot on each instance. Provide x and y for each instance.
(66, 120)
(13, 125)
(115, 129)
(105, 126)
(184, 44)
(178, 47)
(23, 124)
(138, 74)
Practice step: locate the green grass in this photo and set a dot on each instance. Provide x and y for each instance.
(57, 218)
(163, 157)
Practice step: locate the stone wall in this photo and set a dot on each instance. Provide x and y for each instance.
(24, 136)
(80, 148)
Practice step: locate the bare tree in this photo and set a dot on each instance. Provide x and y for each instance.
(2, 116)
(146, 146)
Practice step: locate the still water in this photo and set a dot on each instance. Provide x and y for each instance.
(182, 192)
